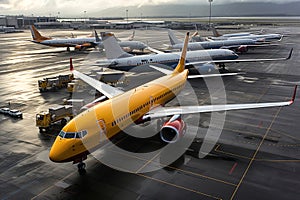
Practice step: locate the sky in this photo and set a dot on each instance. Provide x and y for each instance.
(84, 7)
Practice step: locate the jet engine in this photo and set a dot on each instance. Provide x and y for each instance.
(242, 49)
(173, 130)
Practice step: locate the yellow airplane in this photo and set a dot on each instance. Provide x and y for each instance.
(88, 130)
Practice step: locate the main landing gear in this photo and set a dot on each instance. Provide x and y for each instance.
(81, 168)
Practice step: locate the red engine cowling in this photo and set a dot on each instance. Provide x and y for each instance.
(173, 130)
(78, 47)
(242, 49)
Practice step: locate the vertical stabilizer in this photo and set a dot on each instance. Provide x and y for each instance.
(173, 38)
(97, 39)
(36, 34)
(181, 64)
(130, 38)
(215, 32)
(112, 48)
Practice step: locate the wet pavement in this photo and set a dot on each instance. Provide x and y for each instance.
(256, 157)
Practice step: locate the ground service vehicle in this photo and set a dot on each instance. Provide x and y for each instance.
(15, 113)
(57, 82)
(45, 119)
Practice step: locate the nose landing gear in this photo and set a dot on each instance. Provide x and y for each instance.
(81, 168)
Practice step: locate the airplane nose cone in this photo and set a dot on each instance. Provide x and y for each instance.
(54, 155)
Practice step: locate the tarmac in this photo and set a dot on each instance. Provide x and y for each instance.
(256, 157)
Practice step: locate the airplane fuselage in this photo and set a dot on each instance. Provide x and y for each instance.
(215, 44)
(91, 128)
(89, 42)
(263, 37)
(169, 58)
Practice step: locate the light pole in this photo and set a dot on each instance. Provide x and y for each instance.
(210, 1)
(127, 18)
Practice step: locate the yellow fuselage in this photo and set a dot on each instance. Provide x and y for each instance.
(108, 118)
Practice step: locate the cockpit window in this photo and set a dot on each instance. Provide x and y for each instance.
(83, 133)
(61, 134)
(79, 134)
(69, 135)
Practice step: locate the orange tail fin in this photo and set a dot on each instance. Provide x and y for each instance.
(181, 64)
(36, 34)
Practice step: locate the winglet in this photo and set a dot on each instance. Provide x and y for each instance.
(290, 55)
(294, 95)
(71, 65)
(97, 39)
(215, 32)
(181, 64)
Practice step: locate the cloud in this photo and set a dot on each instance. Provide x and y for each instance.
(77, 7)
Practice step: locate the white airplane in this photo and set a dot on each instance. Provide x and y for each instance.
(89, 130)
(118, 59)
(237, 45)
(256, 37)
(81, 43)
(217, 34)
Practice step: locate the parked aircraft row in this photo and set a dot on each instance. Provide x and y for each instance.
(256, 37)
(239, 42)
(118, 59)
(239, 45)
(82, 42)
(87, 131)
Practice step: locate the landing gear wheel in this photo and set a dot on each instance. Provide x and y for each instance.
(68, 48)
(81, 168)
(222, 66)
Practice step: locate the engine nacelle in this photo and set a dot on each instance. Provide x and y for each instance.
(206, 68)
(242, 49)
(79, 47)
(173, 130)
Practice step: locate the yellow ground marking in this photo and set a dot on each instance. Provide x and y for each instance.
(47, 189)
(255, 153)
(149, 161)
(181, 170)
(178, 186)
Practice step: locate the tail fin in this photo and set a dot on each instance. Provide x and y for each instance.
(112, 48)
(181, 64)
(173, 38)
(71, 65)
(215, 32)
(97, 39)
(36, 34)
(130, 38)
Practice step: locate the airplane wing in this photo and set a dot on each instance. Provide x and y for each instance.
(155, 50)
(166, 71)
(242, 60)
(180, 110)
(232, 47)
(104, 88)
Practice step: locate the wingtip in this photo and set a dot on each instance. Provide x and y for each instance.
(294, 94)
(290, 54)
(71, 65)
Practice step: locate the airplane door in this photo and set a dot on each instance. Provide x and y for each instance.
(151, 101)
(102, 128)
